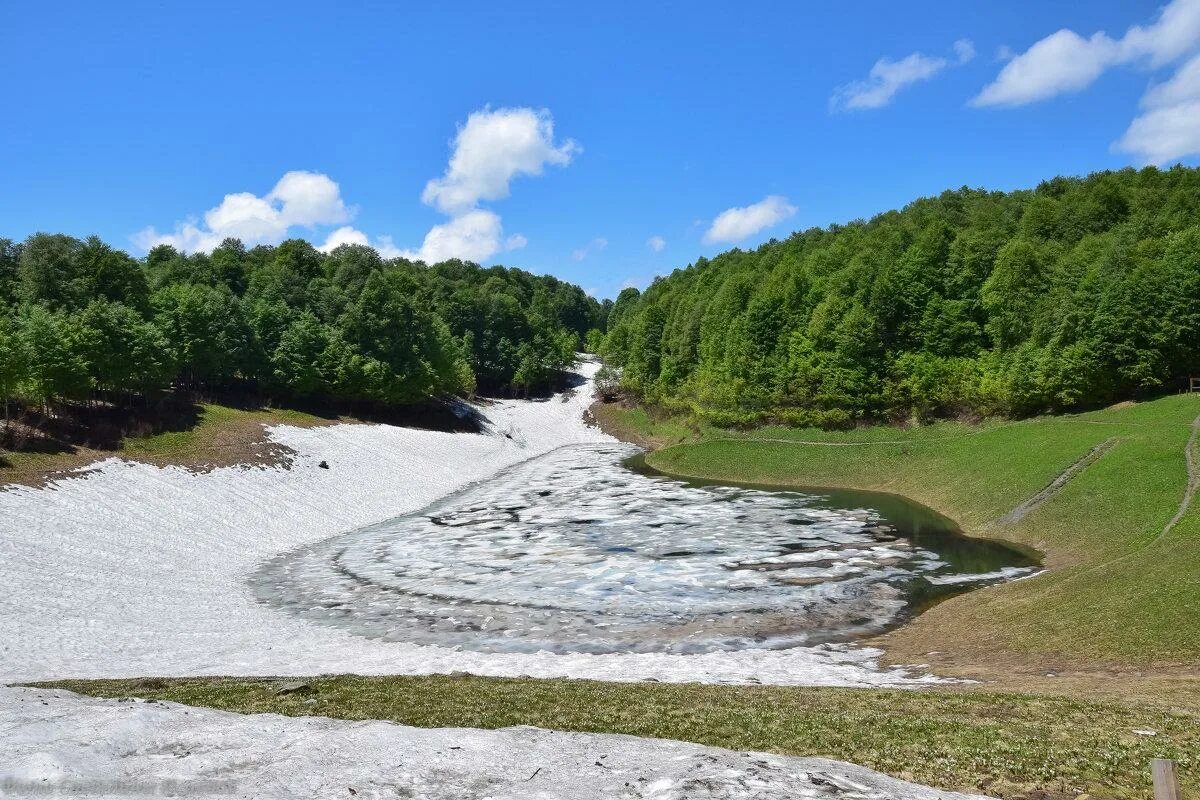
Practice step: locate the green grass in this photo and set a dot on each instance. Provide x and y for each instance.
(221, 436)
(1116, 593)
(1001, 743)
(214, 420)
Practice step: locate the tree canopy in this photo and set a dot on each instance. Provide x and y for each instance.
(1081, 291)
(80, 319)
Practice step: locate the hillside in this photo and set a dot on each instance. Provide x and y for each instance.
(96, 345)
(1107, 496)
(1081, 292)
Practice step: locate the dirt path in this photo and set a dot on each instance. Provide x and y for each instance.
(1193, 470)
(1019, 513)
(979, 432)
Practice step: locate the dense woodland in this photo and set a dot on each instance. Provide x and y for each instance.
(1079, 292)
(82, 322)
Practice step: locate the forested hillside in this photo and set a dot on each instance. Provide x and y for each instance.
(80, 320)
(1081, 291)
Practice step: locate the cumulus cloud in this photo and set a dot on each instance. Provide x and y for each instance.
(887, 77)
(1169, 126)
(343, 235)
(656, 244)
(735, 224)
(1066, 62)
(299, 199)
(472, 236)
(348, 235)
(491, 149)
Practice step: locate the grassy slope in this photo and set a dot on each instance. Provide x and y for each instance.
(1004, 743)
(1116, 596)
(223, 436)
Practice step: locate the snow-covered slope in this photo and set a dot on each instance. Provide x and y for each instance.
(131, 569)
(54, 743)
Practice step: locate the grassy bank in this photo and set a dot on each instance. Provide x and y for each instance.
(1121, 596)
(1004, 744)
(218, 436)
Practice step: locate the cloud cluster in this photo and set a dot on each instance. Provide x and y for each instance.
(1065, 62)
(299, 199)
(888, 77)
(736, 224)
(492, 148)
(656, 244)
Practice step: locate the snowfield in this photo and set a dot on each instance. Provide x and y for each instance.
(134, 570)
(55, 743)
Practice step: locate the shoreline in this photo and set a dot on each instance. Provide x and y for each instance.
(1175, 681)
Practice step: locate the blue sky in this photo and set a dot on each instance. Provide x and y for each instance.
(604, 145)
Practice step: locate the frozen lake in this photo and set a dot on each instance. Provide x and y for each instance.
(575, 552)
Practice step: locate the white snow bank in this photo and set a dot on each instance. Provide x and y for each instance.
(54, 743)
(133, 570)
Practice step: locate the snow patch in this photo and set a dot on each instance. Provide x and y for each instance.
(54, 743)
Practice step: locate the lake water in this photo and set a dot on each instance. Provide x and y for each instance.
(584, 551)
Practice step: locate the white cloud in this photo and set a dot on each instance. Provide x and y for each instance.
(348, 235)
(490, 150)
(472, 236)
(594, 246)
(300, 198)
(888, 77)
(309, 198)
(656, 244)
(965, 50)
(885, 79)
(1062, 62)
(735, 224)
(1174, 34)
(1183, 86)
(343, 235)
(1169, 126)
(1065, 62)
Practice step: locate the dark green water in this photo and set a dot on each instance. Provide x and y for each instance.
(920, 525)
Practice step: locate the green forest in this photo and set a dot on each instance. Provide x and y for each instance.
(1080, 292)
(83, 322)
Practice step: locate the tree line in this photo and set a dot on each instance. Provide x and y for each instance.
(1081, 291)
(83, 321)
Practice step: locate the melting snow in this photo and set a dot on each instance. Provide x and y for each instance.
(55, 743)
